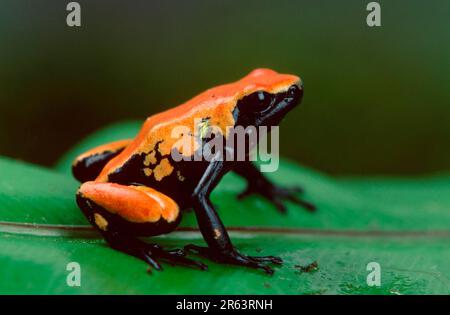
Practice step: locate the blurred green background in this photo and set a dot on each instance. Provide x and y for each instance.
(377, 100)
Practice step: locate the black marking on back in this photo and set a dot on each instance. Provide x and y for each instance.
(89, 168)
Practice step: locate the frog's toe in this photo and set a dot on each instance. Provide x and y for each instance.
(234, 257)
(177, 257)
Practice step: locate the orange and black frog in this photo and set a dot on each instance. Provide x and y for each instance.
(141, 186)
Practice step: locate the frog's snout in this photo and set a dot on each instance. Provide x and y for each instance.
(291, 99)
(294, 95)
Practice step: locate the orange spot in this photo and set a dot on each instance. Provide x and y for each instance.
(101, 222)
(150, 158)
(163, 169)
(148, 172)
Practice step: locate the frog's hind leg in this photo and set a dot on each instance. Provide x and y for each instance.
(257, 183)
(88, 165)
(122, 213)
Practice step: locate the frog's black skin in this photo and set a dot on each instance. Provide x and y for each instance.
(88, 168)
(201, 178)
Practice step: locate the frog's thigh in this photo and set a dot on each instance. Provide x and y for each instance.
(134, 210)
(88, 165)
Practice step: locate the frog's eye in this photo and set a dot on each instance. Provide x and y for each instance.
(257, 102)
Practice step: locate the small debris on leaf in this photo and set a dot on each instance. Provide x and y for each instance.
(308, 268)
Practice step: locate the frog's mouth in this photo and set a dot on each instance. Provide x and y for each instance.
(284, 102)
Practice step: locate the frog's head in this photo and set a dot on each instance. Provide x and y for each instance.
(271, 97)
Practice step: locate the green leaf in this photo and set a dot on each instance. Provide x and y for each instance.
(35, 195)
(400, 223)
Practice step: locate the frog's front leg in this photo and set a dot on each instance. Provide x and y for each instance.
(257, 183)
(220, 248)
(122, 213)
(88, 165)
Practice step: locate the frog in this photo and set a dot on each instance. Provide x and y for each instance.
(137, 188)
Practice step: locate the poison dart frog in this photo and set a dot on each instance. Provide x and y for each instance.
(136, 187)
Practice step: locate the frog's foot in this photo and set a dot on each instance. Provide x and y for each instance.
(152, 254)
(276, 194)
(233, 257)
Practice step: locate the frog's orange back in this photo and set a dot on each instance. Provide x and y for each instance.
(216, 103)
